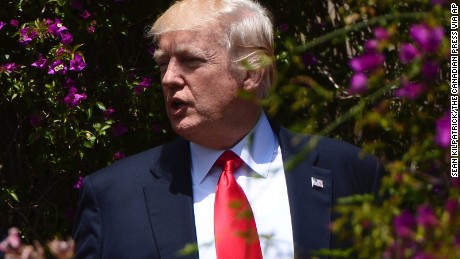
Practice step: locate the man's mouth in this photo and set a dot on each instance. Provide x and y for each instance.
(177, 106)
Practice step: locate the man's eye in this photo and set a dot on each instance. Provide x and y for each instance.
(163, 66)
(193, 61)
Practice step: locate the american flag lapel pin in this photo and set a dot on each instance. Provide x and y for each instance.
(315, 182)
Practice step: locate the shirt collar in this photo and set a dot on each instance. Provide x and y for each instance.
(252, 149)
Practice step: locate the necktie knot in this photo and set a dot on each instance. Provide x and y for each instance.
(229, 161)
(235, 229)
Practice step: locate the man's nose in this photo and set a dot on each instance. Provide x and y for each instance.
(172, 76)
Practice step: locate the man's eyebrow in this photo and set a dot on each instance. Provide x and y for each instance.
(159, 54)
(181, 50)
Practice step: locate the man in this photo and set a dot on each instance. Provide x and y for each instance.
(216, 60)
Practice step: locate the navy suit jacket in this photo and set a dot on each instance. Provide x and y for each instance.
(142, 206)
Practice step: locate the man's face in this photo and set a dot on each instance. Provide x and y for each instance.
(200, 90)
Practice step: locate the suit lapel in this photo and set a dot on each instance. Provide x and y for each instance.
(169, 201)
(310, 205)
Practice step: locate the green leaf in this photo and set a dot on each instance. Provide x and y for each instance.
(101, 106)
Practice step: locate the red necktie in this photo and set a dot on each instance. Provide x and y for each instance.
(234, 226)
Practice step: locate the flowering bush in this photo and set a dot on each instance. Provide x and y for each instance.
(80, 91)
(381, 81)
(77, 94)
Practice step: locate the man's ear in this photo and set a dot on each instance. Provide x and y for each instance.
(253, 80)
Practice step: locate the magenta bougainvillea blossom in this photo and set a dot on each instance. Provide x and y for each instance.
(56, 27)
(91, 29)
(66, 37)
(27, 35)
(74, 98)
(371, 45)
(442, 137)
(358, 84)
(57, 68)
(40, 62)
(119, 155)
(108, 113)
(62, 51)
(408, 52)
(426, 216)
(78, 184)
(14, 22)
(404, 224)
(146, 82)
(381, 33)
(77, 63)
(119, 129)
(429, 39)
(367, 62)
(9, 67)
(410, 90)
(85, 14)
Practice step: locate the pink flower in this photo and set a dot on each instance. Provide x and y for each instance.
(56, 28)
(9, 67)
(91, 29)
(408, 52)
(426, 216)
(410, 90)
(85, 14)
(442, 137)
(57, 68)
(27, 35)
(146, 82)
(119, 155)
(74, 98)
(79, 183)
(12, 243)
(381, 33)
(108, 113)
(40, 63)
(66, 37)
(14, 23)
(77, 63)
(119, 129)
(2, 24)
(429, 39)
(404, 224)
(367, 62)
(358, 84)
(371, 45)
(62, 51)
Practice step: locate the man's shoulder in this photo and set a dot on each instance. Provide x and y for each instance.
(137, 165)
(328, 149)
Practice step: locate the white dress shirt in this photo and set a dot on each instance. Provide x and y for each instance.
(263, 181)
